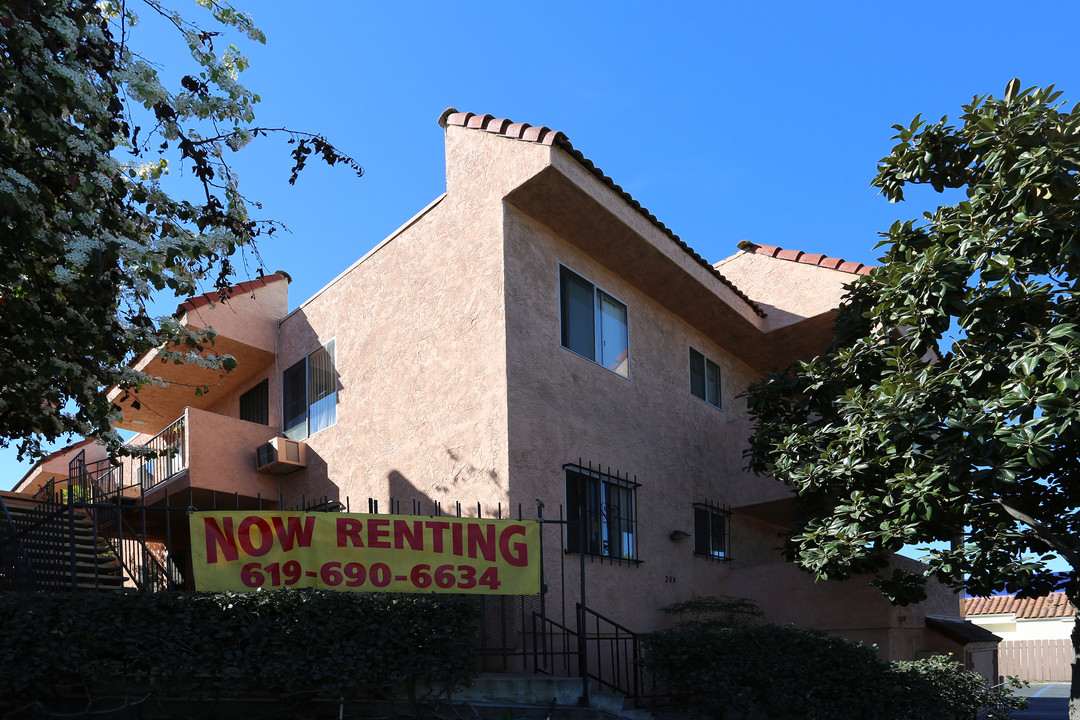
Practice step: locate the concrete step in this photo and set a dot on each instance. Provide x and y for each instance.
(524, 689)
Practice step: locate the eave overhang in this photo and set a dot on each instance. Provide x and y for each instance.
(151, 408)
(591, 218)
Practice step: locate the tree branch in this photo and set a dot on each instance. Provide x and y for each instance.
(1069, 552)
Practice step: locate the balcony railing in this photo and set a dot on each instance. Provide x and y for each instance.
(163, 456)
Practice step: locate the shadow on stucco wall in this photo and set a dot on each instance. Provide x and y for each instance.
(318, 489)
(408, 499)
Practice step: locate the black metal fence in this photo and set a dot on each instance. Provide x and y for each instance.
(16, 572)
(90, 537)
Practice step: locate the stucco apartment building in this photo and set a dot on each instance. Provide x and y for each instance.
(533, 334)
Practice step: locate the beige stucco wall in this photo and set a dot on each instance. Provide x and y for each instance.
(562, 407)
(681, 450)
(218, 453)
(851, 608)
(419, 331)
(453, 386)
(691, 270)
(788, 291)
(250, 318)
(1010, 628)
(221, 455)
(247, 328)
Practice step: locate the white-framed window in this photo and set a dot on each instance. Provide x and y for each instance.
(309, 394)
(711, 530)
(704, 378)
(608, 506)
(593, 322)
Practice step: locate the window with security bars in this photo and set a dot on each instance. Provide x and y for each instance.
(607, 505)
(711, 524)
(309, 394)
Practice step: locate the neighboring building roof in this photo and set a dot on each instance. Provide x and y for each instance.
(546, 136)
(239, 289)
(806, 258)
(41, 461)
(1054, 605)
(960, 630)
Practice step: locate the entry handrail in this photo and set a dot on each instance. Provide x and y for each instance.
(618, 648)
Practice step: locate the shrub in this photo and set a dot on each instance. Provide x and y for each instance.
(939, 686)
(782, 672)
(277, 644)
(721, 666)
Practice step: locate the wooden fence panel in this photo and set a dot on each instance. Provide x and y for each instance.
(1036, 660)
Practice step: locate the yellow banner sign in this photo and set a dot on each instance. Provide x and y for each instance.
(364, 553)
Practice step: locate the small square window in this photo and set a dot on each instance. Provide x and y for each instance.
(711, 531)
(593, 323)
(704, 378)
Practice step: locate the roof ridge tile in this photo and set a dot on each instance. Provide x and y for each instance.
(799, 256)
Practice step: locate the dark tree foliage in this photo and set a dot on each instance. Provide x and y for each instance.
(88, 231)
(946, 408)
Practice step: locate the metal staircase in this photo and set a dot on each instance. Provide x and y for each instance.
(45, 546)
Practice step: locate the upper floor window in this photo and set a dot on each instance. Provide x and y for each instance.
(704, 378)
(593, 323)
(608, 506)
(309, 394)
(255, 404)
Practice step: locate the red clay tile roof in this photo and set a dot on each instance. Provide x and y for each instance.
(238, 289)
(1053, 605)
(547, 136)
(806, 258)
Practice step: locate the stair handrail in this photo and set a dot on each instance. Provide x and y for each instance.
(134, 571)
(24, 577)
(633, 663)
(77, 469)
(80, 477)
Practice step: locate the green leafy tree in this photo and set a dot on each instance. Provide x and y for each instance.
(946, 409)
(89, 227)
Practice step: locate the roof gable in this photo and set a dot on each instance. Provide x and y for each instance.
(198, 301)
(543, 135)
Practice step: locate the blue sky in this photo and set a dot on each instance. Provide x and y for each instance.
(728, 121)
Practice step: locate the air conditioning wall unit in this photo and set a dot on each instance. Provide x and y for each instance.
(281, 456)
